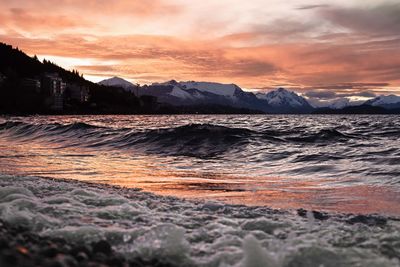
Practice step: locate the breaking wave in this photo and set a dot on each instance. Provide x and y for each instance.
(197, 140)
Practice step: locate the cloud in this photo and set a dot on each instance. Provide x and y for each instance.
(381, 20)
(24, 19)
(282, 30)
(94, 7)
(250, 68)
(45, 18)
(307, 7)
(323, 66)
(347, 86)
(340, 48)
(365, 94)
(329, 94)
(321, 94)
(98, 69)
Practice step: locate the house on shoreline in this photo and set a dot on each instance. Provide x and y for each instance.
(54, 86)
(76, 92)
(34, 85)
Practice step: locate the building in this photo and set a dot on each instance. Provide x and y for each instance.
(54, 86)
(31, 84)
(77, 92)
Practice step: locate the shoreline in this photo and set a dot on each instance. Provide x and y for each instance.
(61, 222)
(127, 191)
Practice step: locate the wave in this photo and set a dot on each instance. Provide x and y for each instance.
(322, 135)
(197, 140)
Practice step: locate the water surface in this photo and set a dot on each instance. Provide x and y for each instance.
(332, 163)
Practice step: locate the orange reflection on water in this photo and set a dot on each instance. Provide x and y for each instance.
(154, 174)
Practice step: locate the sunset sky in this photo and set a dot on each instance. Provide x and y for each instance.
(323, 49)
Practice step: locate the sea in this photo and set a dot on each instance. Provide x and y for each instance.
(210, 190)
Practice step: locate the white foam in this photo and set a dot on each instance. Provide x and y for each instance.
(186, 233)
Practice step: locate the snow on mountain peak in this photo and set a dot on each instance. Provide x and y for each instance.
(384, 100)
(210, 87)
(340, 103)
(283, 97)
(225, 90)
(117, 82)
(180, 93)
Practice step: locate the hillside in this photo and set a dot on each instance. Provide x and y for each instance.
(29, 86)
(22, 80)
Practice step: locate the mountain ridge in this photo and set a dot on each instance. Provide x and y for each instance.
(185, 93)
(280, 100)
(385, 101)
(118, 82)
(20, 74)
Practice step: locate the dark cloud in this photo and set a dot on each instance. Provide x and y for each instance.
(307, 7)
(382, 20)
(327, 95)
(321, 94)
(353, 86)
(284, 29)
(366, 94)
(250, 68)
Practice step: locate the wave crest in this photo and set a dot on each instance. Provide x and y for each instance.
(197, 140)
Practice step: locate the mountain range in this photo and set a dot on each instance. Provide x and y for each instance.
(193, 93)
(387, 102)
(24, 90)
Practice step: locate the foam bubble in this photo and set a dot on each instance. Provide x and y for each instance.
(184, 233)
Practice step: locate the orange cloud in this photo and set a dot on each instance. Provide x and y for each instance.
(91, 7)
(168, 57)
(171, 39)
(22, 19)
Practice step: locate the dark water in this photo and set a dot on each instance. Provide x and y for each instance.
(333, 163)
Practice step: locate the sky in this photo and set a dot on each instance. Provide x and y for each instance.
(323, 49)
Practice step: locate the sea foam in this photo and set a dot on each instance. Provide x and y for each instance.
(188, 233)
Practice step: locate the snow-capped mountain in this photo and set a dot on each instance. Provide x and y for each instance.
(389, 101)
(339, 103)
(284, 101)
(227, 90)
(211, 93)
(208, 93)
(344, 102)
(118, 82)
(202, 93)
